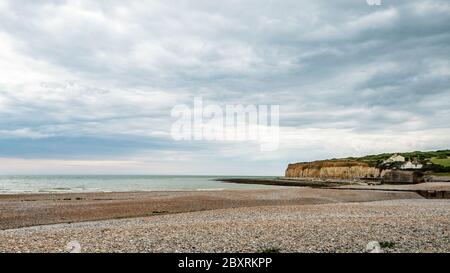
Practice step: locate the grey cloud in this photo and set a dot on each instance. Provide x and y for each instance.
(329, 64)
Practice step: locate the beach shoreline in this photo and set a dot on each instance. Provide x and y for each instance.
(24, 210)
(286, 219)
(400, 225)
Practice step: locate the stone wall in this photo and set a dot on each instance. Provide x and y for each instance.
(397, 176)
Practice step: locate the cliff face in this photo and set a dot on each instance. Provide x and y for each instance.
(332, 170)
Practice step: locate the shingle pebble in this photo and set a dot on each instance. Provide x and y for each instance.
(404, 226)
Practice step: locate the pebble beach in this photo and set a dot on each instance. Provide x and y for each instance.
(412, 225)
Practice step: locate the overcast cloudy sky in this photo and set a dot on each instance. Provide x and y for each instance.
(88, 86)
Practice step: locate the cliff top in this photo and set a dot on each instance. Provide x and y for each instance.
(435, 161)
(328, 163)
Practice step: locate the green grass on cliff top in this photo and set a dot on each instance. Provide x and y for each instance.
(442, 174)
(441, 156)
(441, 161)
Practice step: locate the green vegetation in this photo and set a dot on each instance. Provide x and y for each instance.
(270, 250)
(442, 174)
(387, 244)
(435, 161)
(441, 161)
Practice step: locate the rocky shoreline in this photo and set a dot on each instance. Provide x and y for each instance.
(399, 225)
(41, 209)
(288, 182)
(290, 219)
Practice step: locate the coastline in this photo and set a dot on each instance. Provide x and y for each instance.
(25, 210)
(413, 225)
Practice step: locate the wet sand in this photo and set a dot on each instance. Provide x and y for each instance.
(42, 209)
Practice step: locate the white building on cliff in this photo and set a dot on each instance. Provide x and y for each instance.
(411, 166)
(394, 158)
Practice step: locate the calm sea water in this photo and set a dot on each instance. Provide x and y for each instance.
(112, 183)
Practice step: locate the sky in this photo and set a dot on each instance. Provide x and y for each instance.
(87, 87)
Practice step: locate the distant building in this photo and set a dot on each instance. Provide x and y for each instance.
(394, 158)
(411, 166)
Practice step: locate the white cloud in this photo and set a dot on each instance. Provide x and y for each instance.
(348, 77)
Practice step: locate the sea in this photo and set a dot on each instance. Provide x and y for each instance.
(20, 184)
